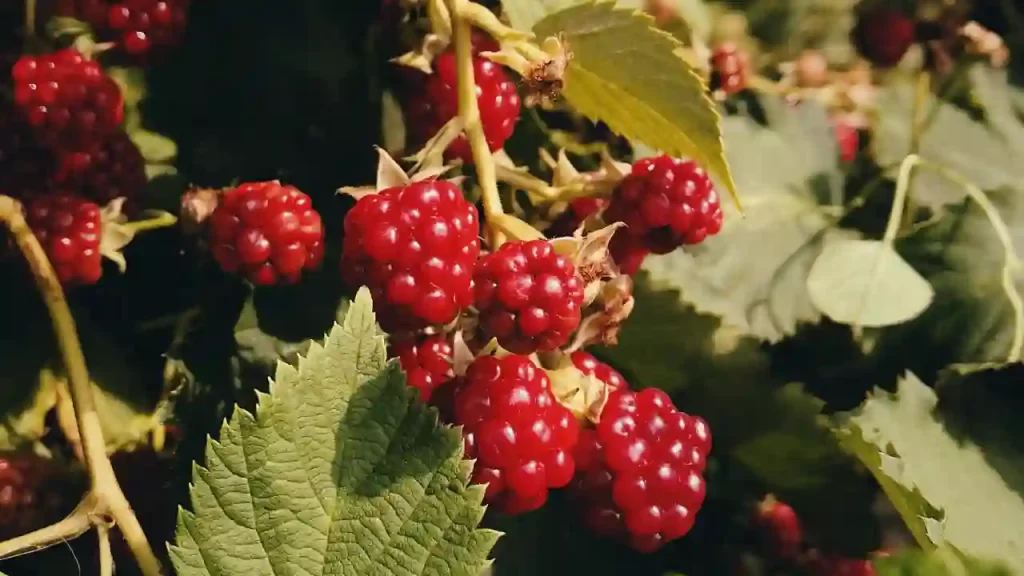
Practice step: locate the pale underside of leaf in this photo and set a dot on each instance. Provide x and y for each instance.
(625, 73)
(341, 471)
(867, 283)
(984, 516)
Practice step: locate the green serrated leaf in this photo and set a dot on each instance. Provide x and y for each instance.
(867, 283)
(923, 468)
(340, 471)
(155, 148)
(625, 73)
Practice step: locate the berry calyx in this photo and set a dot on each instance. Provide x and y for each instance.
(589, 365)
(730, 68)
(427, 362)
(529, 296)
(414, 247)
(69, 102)
(521, 438)
(34, 492)
(267, 232)
(639, 472)
(435, 102)
(665, 203)
(883, 35)
(70, 231)
(781, 528)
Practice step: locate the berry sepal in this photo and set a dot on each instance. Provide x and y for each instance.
(585, 395)
(390, 174)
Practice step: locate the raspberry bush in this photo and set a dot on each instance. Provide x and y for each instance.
(517, 287)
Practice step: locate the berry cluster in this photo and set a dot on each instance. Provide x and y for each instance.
(138, 28)
(883, 34)
(426, 361)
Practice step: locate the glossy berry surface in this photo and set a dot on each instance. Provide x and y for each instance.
(780, 526)
(639, 473)
(529, 296)
(521, 438)
(69, 229)
(431, 105)
(589, 365)
(267, 232)
(427, 362)
(69, 101)
(137, 28)
(414, 247)
(628, 251)
(730, 68)
(665, 203)
(115, 169)
(883, 35)
(34, 492)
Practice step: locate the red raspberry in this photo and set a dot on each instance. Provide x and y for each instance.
(883, 35)
(665, 203)
(69, 229)
(782, 530)
(138, 28)
(521, 438)
(26, 170)
(414, 247)
(529, 296)
(639, 472)
(573, 217)
(628, 252)
(34, 492)
(436, 101)
(847, 138)
(115, 170)
(68, 100)
(427, 362)
(267, 232)
(730, 68)
(603, 372)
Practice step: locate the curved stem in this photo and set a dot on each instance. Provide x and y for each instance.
(104, 483)
(30, 20)
(469, 111)
(76, 524)
(903, 180)
(162, 220)
(106, 558)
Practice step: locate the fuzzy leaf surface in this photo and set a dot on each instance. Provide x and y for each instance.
(625, 73)
(340, 471)
(753, 274)
(952, 486)
(867, 283)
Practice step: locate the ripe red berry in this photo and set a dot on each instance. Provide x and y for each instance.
(730, 68)
(781, 528)
(415, 248)
(529, 296)
(429, 107)
(70, 230)
(521, 438)
(427, 362)
(116, 169)
(26, 169)
(589, 365)
(639, 473)
(34, 492)
(137, 28)
(847, 138)
(665, 203)
(68, 100)
(575, 215)
(267, 232)
(883, 35)
(628, 251)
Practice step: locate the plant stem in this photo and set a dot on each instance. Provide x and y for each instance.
(922, 89)
(104, 483)
(469, 111)
(30, 20)
(163, 220)
(106, 558)
(76, 524)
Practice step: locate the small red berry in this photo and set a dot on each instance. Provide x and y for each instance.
(521, 438)
(414, 247)
(883, 35)
(116, 169)
(730, 68)
(847, 138)
(267, 232)
(69, 101)
(427, 362)
(529, 296)
(628, 251)
(639, 473)
(589, 365)
(665, 203)
(138, 28)
(430, 106)
(70, 230)
(575, 215)
(781, 527)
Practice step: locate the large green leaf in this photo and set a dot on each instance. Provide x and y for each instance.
(626, 73)
(754, 273)
(946, 562)
(951, 489)
(340, 471)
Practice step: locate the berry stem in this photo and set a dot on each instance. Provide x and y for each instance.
(163, 220)
(106, 557)
(470, 114)
(30, 20)
(104, 483)
(76, 524)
